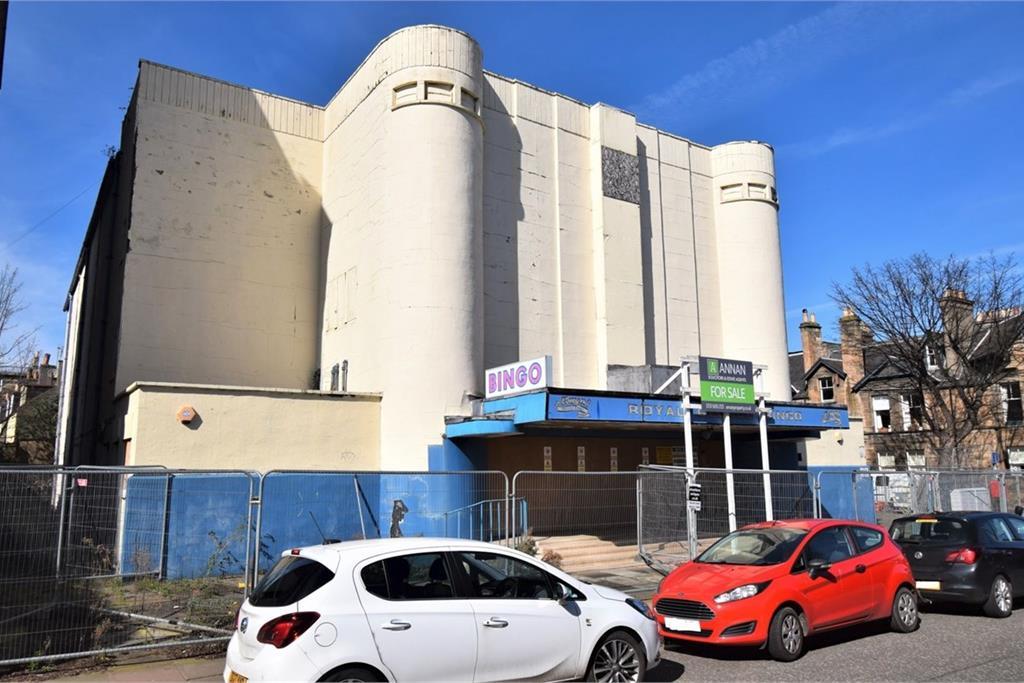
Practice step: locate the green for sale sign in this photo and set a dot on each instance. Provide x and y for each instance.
(726, 386)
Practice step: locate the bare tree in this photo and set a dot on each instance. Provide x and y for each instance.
(15, 343)
(953, 329)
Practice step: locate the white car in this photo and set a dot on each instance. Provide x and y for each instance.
(434, 609)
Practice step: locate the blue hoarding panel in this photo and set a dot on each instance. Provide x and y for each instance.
(844, 495)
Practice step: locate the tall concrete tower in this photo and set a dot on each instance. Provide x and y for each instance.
(750, 260)
(410, 223)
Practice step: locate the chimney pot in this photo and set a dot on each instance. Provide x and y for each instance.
(805, 315)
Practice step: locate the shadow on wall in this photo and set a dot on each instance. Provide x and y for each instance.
(221, 201)
(647, 260)
(502, 211)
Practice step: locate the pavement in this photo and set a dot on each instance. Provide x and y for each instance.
(638, 580)
(157, 670)
(951, 645)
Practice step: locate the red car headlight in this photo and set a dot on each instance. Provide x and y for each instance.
(747, 590)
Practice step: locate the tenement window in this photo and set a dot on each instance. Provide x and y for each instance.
(912, 408)
(916, 460)
(1012, 406)
(886, 461)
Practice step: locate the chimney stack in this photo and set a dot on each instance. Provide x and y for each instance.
(957, 320)
(810, 339)
(854, 335)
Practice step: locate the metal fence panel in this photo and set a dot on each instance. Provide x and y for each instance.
(961, 490)
(792, 493)
(664, 520)
(580, 520)
(297, 506)
(1013, 485)
(100, 560)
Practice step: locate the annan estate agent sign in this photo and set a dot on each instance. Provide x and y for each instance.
(726, 386)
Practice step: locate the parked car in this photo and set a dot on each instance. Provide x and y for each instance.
(420, 609)
(968, 557)
(774, 583)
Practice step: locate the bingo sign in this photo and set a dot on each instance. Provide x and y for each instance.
(726, 386)
(518, 378)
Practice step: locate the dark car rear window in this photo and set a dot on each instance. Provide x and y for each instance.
(290, 580)
(929, 531)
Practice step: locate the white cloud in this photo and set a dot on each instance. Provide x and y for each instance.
(961, 96)
(984, 86)
(794, 51)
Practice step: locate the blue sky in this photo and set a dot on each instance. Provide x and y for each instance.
(897, 127)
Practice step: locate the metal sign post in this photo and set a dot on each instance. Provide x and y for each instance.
(684, 389)
(762, 426)
(730, 484)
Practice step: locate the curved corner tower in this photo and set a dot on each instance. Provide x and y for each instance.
(415, 218)
(750, 260)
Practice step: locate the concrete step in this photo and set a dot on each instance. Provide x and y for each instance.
(588, 553)
(571, 541)
(592, 551)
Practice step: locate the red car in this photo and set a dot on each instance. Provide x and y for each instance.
(774, 583)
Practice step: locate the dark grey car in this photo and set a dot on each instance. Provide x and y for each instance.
(966, 557)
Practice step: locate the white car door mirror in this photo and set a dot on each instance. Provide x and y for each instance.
(562, 593)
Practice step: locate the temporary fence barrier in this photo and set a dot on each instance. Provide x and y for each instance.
(792, 497)
(300, 507)
(664, 517)
(881, 496)
(959, 490)
(1013, 485)
(559, 504)
(104, 560)
(109, 559)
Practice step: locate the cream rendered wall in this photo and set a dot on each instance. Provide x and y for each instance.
(221, 278)
(538, 244)
(248, 428)
(620, 303)
(651, 292)
(667, 207)
(412, 241)
(837, 447)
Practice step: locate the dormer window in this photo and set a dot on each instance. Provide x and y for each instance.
(932, 357)
(828, 391)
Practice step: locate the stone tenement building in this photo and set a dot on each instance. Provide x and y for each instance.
(866, 376)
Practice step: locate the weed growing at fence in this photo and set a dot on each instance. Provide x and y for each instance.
(527, 544)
